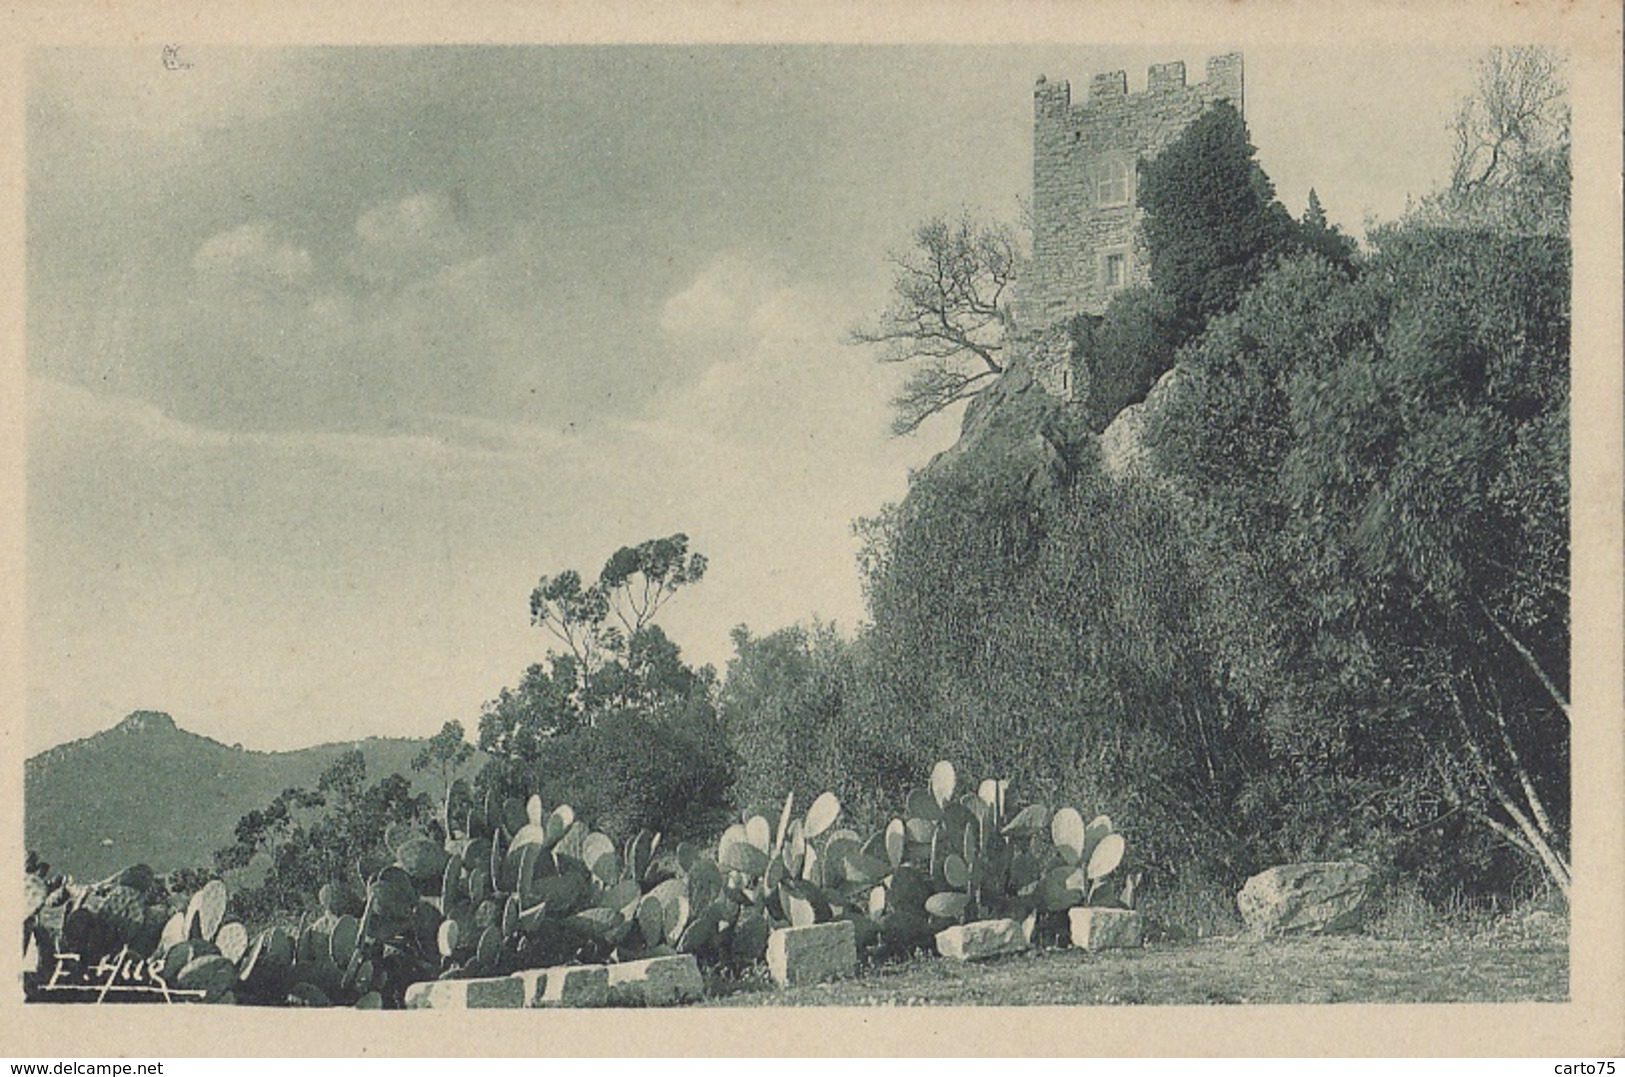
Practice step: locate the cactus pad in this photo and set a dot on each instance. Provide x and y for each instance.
(822, 814)
(206, 910)
(1067, 830)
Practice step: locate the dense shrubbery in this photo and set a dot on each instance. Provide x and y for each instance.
(1040, 635)
(285, 853)
(1050, 637)
(1368, 555)
(1381, 465)
(783, 698)
(632, 772)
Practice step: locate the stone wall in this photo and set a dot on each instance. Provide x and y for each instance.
(1085, 163)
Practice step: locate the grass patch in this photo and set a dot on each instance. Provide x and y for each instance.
(1491, 968)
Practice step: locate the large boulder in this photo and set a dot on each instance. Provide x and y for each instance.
(1308, 899)
(1025, 429)
(1123, 451)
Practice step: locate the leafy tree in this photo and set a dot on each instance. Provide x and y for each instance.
(640, 579)
(620, 670)
(949, 315)
(1511, 153)
(631, 588)
(614, 657)
(1379, 468)
(345, 777)
(306, 839)
(1211, 218)
(781, 706)
(445, 753)
(546, 703)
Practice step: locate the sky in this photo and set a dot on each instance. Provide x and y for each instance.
(332, 352)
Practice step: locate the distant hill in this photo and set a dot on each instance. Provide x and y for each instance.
(148, 791)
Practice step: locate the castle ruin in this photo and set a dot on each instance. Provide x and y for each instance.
(1087, 242)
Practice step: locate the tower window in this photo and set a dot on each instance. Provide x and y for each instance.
(1112, 184)
(1115, 271)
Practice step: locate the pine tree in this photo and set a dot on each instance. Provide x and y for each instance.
(1319, 236)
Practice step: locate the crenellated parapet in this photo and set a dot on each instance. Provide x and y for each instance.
(1086, 155)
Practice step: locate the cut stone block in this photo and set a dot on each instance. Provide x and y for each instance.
(498, 993)
(575, 985)
(982, 939)
(1308, 899)
(657, 981)
(812, 954)
(533, 984)
(1105, 929)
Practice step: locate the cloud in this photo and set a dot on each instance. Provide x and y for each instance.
(769, 361)
(408, 238)
(68, 418)
(252, 254)
(726, 300)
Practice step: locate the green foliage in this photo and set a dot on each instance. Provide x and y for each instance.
(634, 771)
(1124, 351)
(1317, 235)
(125, 930)
(544, 704)
(304, 840)
(597, 622)
(528, 888)
(618, 723)
(1336, 625)
(446, 753)
(1051, 637)
(654, 755)
(948, 859)
(782, 705)
(616, 659)
(1212, 229)
(1211, 218)
(1379, 469)
(1510, 170)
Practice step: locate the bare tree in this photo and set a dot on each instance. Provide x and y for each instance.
(949, 314)
(1511, 133)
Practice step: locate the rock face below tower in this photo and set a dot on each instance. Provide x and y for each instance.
(1086, 236)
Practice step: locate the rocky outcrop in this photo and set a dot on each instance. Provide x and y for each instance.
(1123, 452)
(146, 722)
(1308, 899)
(1019, 428)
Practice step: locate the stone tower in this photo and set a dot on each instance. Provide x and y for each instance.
(1086, 237)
